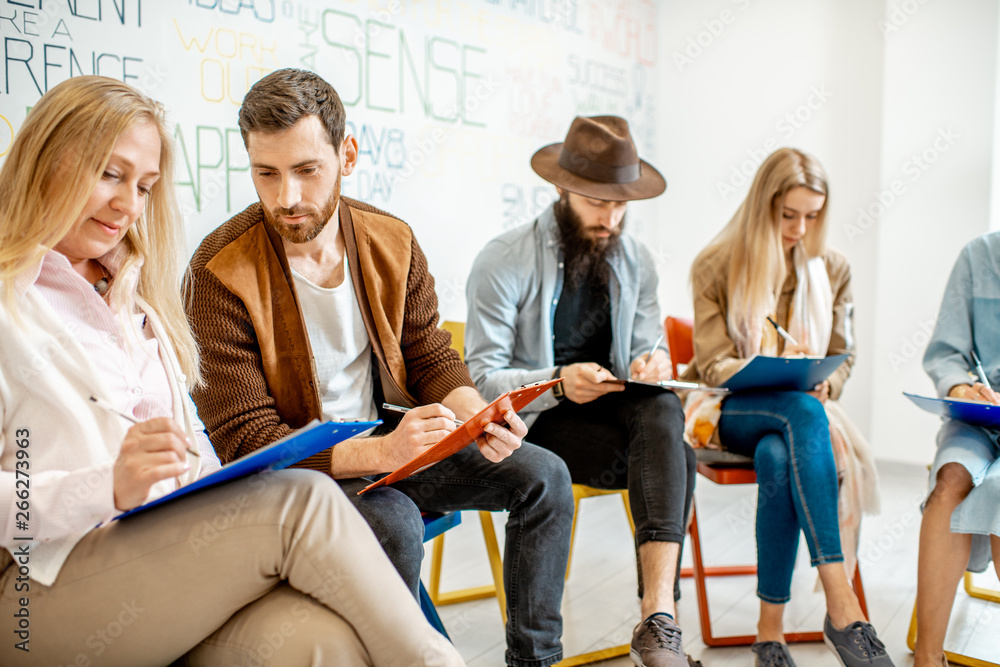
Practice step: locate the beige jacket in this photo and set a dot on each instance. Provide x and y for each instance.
(715, 356)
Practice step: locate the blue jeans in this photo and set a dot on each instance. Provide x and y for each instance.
(534, 485)
(788, 436)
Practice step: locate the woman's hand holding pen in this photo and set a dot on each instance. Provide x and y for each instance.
(974, 392)
(795, 350)
(651, 368)
(152, 451)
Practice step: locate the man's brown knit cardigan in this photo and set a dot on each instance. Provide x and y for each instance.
(259, 381)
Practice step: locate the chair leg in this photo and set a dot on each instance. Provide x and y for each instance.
(496, 562)
(594, 656)
(628, 511)
(430, 613)
(978, 591)
(580, 492)
(572, 530)
(437, 556)
(466, 594)
(859, 590)
(700, 575)
(956, 658)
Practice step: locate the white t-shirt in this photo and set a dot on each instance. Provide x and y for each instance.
(340, 346)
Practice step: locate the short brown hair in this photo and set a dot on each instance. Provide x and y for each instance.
(286, 96)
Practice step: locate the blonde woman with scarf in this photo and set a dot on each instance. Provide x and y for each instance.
(771, 261)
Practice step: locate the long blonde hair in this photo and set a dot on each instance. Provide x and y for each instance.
(49, 174)
(750, 246)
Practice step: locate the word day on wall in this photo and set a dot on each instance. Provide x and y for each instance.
(447, 99)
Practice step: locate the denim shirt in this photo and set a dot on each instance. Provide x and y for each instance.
(969, 316)
(512, 294)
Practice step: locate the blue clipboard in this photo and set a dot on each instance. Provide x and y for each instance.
(783, 374)
(311, 439)
(970, 412)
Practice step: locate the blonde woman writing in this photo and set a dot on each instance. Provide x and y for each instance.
(276, 570)
(770, 261)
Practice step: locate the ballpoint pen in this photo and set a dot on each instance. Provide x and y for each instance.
(980, 371)
(655, 345)
(401, 410)
(101, 403)
(781, 332)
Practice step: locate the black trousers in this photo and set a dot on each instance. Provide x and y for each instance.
(628, 440)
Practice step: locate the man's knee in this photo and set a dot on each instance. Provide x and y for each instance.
(665, 406)
(547, 476)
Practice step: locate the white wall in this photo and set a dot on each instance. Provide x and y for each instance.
(937, 148)
(781, 73)
(448, 100)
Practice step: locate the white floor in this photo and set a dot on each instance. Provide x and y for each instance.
(600, 605)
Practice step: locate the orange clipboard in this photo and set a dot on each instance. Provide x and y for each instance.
(468, 432)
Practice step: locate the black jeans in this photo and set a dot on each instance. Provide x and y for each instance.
(634, 440)
(534, 486)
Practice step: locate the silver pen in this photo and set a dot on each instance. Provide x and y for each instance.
(101, 403)
(980, 371)
(401, 410)
(655, 345)
(781, 332)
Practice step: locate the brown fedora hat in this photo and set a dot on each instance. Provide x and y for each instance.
(599, 160)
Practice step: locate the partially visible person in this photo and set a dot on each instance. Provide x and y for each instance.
(89, 249)
(311, 305)
(771, 261)
(572, 295)
(960, 528)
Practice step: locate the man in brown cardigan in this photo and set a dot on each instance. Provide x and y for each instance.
(309, 305)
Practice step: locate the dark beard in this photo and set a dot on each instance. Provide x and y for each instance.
(306, 231)
(585, 257)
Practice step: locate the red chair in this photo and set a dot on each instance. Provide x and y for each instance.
(679, 334)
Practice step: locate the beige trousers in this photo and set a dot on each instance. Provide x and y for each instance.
(274, 570)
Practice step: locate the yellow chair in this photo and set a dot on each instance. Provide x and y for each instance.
(580, 491)
(457, 331)
(957, 658)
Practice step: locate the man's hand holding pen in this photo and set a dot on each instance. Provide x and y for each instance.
(651, 368)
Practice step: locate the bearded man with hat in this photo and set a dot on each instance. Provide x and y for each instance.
(571, 295)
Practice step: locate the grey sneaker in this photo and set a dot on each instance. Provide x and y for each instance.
(656, 642)
(772, 654)
(856, 645)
